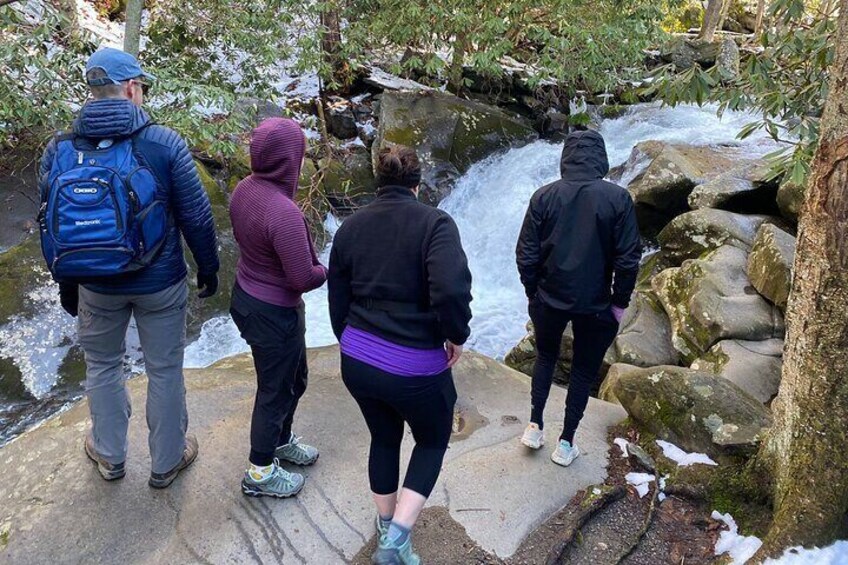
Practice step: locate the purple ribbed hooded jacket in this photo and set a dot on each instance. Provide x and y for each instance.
(278, 261)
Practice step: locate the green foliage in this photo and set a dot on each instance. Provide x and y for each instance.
(41, 65)
(580, 44)
(784, 81)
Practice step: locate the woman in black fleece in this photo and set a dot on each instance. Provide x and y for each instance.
(399, 292)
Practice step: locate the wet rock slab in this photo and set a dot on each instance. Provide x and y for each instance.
(66, 513)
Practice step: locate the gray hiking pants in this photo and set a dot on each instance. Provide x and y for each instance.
(161, 320)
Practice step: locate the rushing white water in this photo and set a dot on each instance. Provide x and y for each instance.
(488, 205)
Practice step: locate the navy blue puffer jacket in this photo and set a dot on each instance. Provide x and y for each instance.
(167, 155)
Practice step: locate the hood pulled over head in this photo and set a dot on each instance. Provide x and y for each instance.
(584, 156)
(276, 153)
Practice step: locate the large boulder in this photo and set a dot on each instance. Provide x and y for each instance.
(348, 181)
(695, 410)
(644, 338)
(685, 52)
(753, 366)
(449, 133)
(770, 264)
(747, 188)
(616, 371)
(695, 233)
(660, 176)
(727, 60)
(711, 299)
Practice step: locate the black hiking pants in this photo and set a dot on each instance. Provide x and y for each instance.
(277, 338)
(386, 402)
(593, 334)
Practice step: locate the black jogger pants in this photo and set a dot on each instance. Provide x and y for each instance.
(277, 338)
(387, 401)
(593, 334)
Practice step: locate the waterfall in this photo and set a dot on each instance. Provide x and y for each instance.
(488, 205)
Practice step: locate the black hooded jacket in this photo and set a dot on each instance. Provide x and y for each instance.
(399, 250)
(579, 247)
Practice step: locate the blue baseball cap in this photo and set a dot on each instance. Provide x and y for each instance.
(116, 66)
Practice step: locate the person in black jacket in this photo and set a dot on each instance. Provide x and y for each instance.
(578, 256)
(399, 293)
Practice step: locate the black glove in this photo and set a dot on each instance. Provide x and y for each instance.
(69, 298)
(207, 284)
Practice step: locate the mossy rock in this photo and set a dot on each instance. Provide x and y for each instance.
(695, 233)
(348, 182)
(770, 264)
(644, 338)
(790, 200)
(694, 410)
(684, 52)
(711, 299)
(754, 366)
(748, 189)
(449, 134)
(666, 174)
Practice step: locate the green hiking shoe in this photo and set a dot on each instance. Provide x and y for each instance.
(382, 527)
(389, 553)
(279, 484)
(296, 452)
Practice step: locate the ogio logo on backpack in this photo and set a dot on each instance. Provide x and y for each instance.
(78, 190)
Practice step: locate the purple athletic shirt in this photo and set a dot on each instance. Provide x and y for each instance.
(391, 357)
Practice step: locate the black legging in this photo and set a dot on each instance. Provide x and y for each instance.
(387, 401)
(593, 334)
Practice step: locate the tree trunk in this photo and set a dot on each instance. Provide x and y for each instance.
(460, 47)
(132, 29)
(331, 46)
(761, 11)
(711, 16)
(805, 449)
(725, 11)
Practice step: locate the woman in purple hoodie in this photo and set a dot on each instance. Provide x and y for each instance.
(277, 265)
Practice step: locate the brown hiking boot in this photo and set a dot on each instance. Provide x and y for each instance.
(164, 480)
(109, 471)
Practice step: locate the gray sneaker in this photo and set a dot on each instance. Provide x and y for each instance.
(279, 484)
(389, 553)
(296, 452)
(164, 480)
(109, 471)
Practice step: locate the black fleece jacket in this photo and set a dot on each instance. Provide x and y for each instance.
(579, 247)
(397, 249)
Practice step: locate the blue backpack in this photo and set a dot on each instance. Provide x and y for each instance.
(100, 215)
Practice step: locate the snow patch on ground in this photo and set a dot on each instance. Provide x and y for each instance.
(642, 482)
(738, 547)
(622, 444)
(836, 554)
(682, 458)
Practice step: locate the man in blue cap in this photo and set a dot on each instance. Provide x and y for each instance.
(119, 177)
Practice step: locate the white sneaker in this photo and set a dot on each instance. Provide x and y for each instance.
(565, 453)
(533, 437)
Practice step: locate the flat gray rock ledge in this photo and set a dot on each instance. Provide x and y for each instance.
(55, 508)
